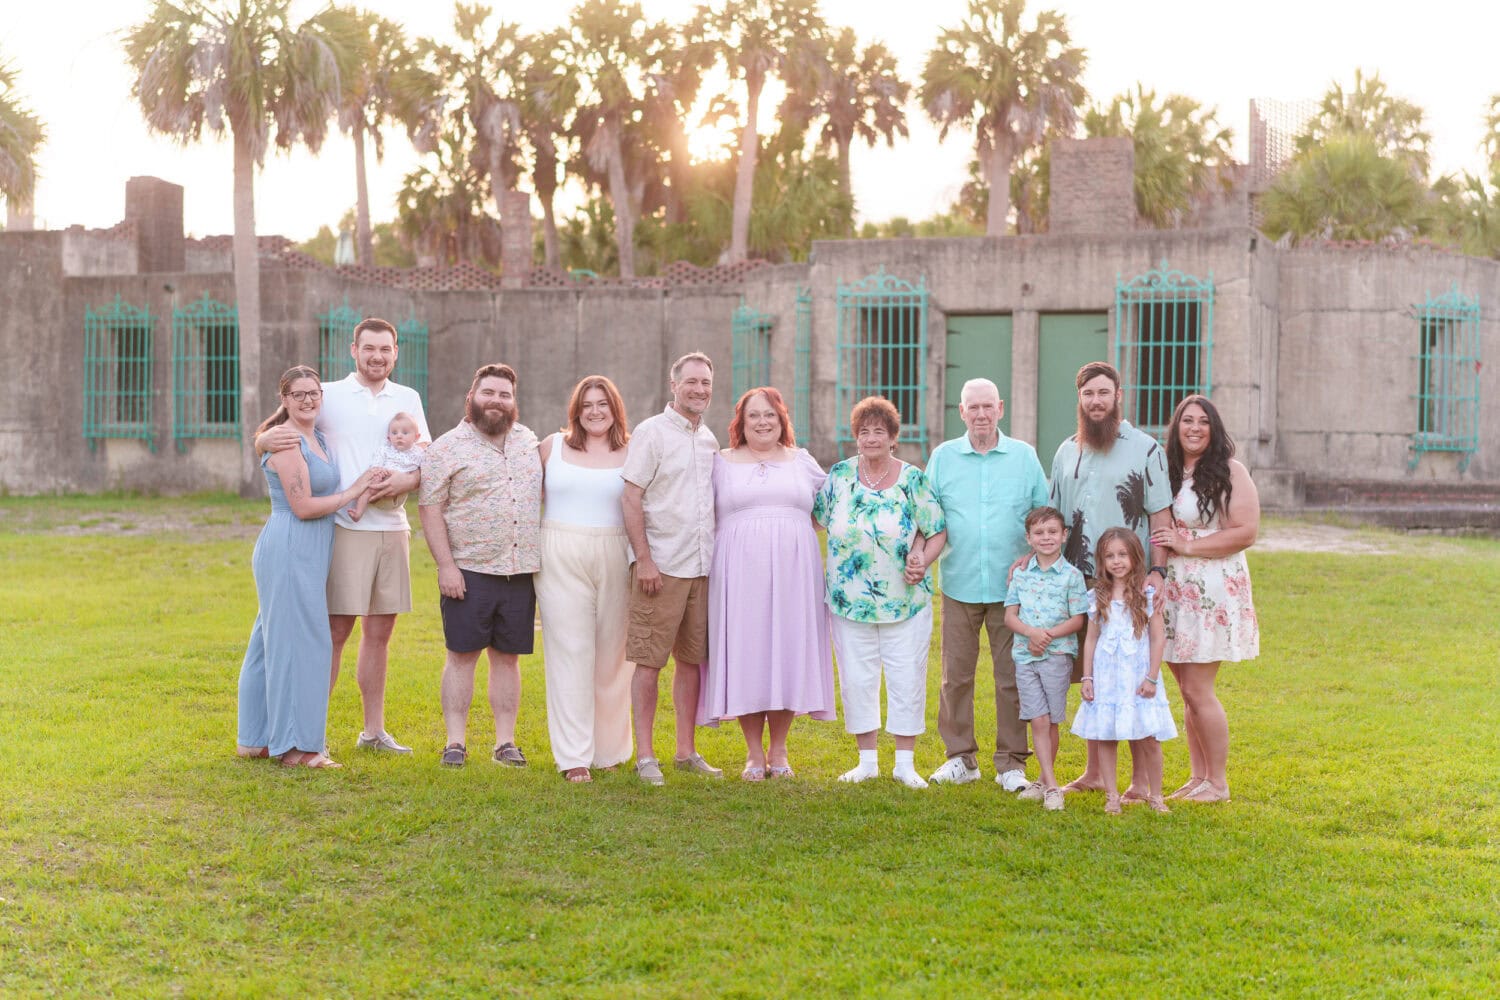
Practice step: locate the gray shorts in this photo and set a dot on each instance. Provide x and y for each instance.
(1043, 686)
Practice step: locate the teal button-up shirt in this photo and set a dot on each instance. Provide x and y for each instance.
(985, 497)
(1047, 597)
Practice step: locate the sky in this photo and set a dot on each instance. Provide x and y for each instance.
(72, 73)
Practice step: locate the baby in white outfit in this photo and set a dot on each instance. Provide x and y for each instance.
(400, 453)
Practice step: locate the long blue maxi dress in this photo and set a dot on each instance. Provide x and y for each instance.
(284, 678)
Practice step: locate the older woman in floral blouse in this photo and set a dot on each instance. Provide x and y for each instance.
(885, 528)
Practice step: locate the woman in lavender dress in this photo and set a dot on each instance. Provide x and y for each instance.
(769, 658)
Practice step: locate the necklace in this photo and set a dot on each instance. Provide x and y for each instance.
(872, 484)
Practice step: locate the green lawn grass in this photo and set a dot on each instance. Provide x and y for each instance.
(138, 856)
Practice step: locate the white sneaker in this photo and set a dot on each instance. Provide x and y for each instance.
(385, 742)
(860, 773)
(955, 772)
(1012, 781)
(908, 777)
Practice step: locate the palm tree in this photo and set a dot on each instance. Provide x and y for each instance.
(1469, 212)
(1396, 126)
(756, 39)
(1011, 85)
(1346, 189)
(484, 75)
(244, 64)
(606, 43)
(549, 92)
(1491, 143)
(385, 85)
(858, 94)
(674, 64)
(21, 135)
(1181, 153)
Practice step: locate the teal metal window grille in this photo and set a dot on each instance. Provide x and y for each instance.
(411, 356)
(751, 346)
(205, 371)
(1164, 339)
(335, 335)
(882, 351)
(802, 373)
(117, 354)
(1448, 377)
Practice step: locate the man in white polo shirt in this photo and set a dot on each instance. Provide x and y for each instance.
(370, 576)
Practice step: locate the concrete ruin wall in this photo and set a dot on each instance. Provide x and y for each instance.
(1348, 368)
(1092, 186)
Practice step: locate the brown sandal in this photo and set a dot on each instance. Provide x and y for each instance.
(578, 775)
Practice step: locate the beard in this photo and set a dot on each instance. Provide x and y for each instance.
(1099, 435)
(494, 421)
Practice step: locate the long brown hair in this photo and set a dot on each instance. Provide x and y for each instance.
(283, 387)
(737, 424)
(1134, 582)
(574, 436)
(1211, 478)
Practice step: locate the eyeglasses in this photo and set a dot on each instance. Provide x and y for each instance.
(304, 394)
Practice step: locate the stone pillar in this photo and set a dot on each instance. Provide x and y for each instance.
(1093, 186)
(155, 206)
(515, 239)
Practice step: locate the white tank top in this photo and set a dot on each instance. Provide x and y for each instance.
(583, 497)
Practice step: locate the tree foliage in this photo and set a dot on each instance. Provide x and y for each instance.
(1009, 83)
(21, 136)
(1396, 127)
(1346, 189)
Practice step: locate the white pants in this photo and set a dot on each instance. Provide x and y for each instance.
(863, 648)
(584, 592)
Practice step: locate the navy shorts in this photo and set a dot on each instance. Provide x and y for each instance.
(496, 612)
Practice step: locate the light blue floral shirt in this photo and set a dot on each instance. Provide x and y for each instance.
(1047, 597)
(870, 534)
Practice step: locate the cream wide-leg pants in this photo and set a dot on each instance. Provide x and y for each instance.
(583, 590)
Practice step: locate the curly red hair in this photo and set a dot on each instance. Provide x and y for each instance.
(737, 424)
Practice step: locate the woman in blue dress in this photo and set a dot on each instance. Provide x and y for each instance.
(284, 678)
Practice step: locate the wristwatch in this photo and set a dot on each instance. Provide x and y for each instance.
(1158, 569)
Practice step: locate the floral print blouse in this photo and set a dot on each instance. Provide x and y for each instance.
(870, 533)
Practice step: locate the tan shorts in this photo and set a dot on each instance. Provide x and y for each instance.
(672, 621)
(370, 573)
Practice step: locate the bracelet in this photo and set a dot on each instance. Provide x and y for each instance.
(1089, 679)
(1150, 680)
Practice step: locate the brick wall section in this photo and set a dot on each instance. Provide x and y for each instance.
(515, 238)
(155, 206)
(1092, 186)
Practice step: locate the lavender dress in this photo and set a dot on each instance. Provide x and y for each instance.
(768, 644)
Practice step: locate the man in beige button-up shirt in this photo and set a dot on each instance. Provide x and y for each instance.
(669, 515)
(481, 509)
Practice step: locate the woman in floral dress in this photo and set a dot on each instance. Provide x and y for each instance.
(885, 528)
(1210, 616)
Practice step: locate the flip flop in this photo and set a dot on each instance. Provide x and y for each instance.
(780, 771)
(753, 773)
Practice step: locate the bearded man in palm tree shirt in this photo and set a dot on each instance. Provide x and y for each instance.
(1109, 475)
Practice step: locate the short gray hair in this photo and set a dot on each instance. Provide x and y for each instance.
(681, 362)
(975, 384)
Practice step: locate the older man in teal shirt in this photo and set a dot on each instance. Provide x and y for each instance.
(987, 483)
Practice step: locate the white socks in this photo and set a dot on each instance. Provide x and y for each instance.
(905, 770)
(869, 766)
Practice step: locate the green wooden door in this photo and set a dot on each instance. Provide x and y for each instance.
(978, 347)
(1067, 342)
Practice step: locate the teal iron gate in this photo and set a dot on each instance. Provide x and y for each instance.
(411, 356)
(1164, 340)
(882, 351)
(750, 365)
(335, 336)
(205, 371)
(117, 355)
(1448, 377)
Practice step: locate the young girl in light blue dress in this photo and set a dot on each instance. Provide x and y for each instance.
(1122, 692)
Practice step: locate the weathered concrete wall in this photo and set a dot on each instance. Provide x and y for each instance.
(1348, 371)
(155, 206)
(86, 252)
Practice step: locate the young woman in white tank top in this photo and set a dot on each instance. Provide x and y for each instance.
(583, 588)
